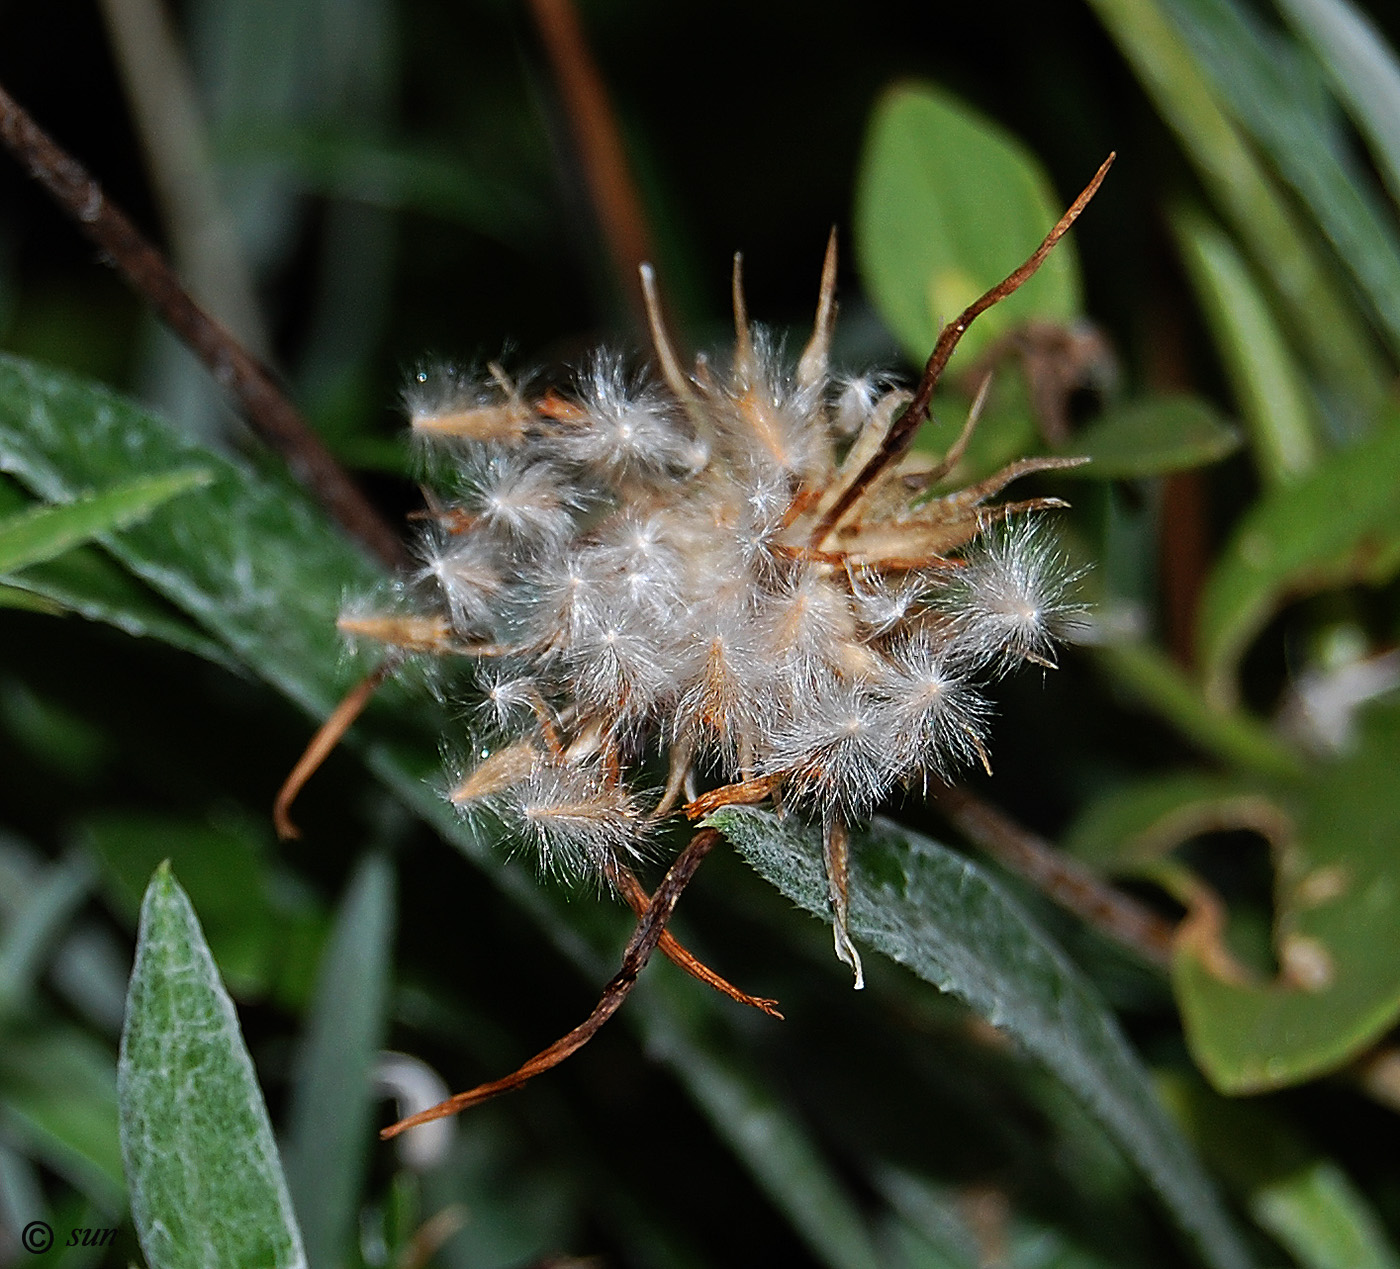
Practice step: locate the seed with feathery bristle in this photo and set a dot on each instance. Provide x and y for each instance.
(717, 565)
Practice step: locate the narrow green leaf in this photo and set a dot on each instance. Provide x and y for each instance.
(41, 533)
(949, 1239)
(1323, 1221)
(59, 1099)
(87, 582)
(367, 170)
(1321, 321)
(786, 1161)
(1263, 372)
(43, 920)
(1337, 934)
(1364, 71)
(201, 1163)
(331, 1124)
(1339, 524)
(1259, 75)
(1151, 437)
(929, 239)
(936, 912)
(23, 601)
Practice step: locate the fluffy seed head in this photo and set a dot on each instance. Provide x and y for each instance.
(709, 564)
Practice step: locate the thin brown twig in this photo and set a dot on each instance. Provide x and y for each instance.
(604, 158)
(679, 955)
(644, 941)
(266, 407)
(910, 420)
(319, 748)
(1064, 880)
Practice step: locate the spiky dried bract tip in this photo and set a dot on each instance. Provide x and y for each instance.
(717, 566)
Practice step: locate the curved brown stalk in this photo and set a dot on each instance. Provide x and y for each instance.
(265, 406)
(644, 941)
(674, 951)
(327, 737)
(897, 441)
(1063, 879)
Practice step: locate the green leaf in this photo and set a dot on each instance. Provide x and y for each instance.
(1363, 69)
(1164, 687)
(59, 1102)
(331, 1123)
(937, 913)
(1152, 436)
(48, 910)
(940, 1230)
(201, 1163)
(367, 170)
(947, 205)
(41, 533)
(1307, 1203)
(1260, 79)
(250, 561)
(263, 571)
(787, 1163)
(1337, 934)
(1321, 320)
(1340, 524)
(1135, 824)
(23, 601)
(1262, 369)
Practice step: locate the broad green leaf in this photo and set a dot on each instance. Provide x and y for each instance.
(1134, 824)
(1263, 372)
(1337, 934)
(1307, 1203)
(59, 1101)
(937, 913)
(331, 1125)
(1321, 320)
(1152, 436)
(266, 573)
(1164, 687)
(201, 1162)
(1340, 524)
(1261, 79)
(41, 533)
(1365, 73)
(948, 204)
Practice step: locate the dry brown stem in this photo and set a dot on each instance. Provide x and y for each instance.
(674, 951)
(602, 155)
(266, 407)
(322, 744)
(644, 941)
(909, 422)
(1062, 879)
